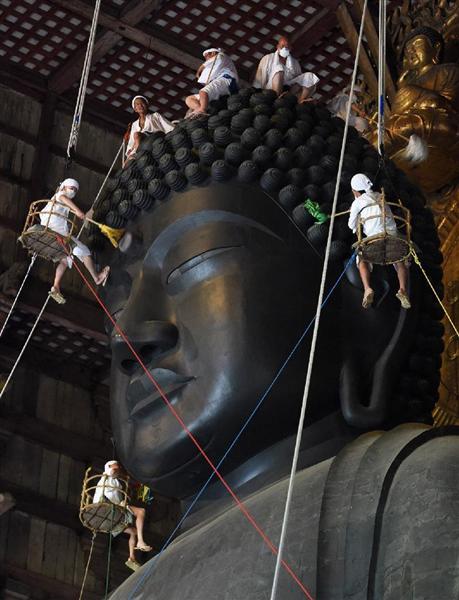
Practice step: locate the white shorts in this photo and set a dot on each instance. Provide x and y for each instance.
(79, 250)
(303, 80)
(216, 89)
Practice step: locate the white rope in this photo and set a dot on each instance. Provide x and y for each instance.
(29, 337)
(93, 206)
(316, 326)
(32, 260)
(73, 139)
(381, 74)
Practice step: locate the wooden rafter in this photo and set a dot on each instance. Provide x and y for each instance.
(37, 581)
(79, 314)
(70, 72)
(313, 30)
(35, 85)
(128, 31)
(352, 35)
(54, 437)
(372, 39)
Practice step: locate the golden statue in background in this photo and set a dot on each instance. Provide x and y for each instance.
(427, 105)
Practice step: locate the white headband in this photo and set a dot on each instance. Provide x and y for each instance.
(211, 50)
(108, 466)
(69, 183)
(138, 98)
(361, 182)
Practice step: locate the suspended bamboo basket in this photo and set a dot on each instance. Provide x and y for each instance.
(385, 248)
(104, 516)
(40, 239)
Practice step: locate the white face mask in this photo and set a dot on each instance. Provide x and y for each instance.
(70, 193)
(284, 52)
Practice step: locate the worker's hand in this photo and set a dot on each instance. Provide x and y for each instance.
(79, 213)
(90, 214)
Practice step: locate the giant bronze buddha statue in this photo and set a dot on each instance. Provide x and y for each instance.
(426, 104)
(215, 282)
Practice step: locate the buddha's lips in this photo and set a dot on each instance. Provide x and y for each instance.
(143, 394)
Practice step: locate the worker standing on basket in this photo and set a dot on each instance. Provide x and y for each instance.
(367, 208)
(110, 488)
(55, 216)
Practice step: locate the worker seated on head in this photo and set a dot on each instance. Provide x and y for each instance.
(338, 106)
(146, 123)
(279, 70)
(110, 488)
(367, 204)
(55, 216)
(219, 76)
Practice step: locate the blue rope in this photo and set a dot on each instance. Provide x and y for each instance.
(154, 560)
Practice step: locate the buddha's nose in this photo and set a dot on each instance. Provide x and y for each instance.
(149, 339)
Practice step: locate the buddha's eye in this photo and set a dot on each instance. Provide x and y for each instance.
(195, 261)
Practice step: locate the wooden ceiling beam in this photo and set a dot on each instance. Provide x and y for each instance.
(27, 82)
(37, 581)
(313, 30)
(70, 72)
(54, 437)
(51, 364)
(35, 141)
(78, 314)
(128, 31)
(372, 39)
(351, 34)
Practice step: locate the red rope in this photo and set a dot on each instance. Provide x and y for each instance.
(238, 502)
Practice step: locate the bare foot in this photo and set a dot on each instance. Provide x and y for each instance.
(103, 276)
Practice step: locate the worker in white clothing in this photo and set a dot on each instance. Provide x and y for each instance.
(55, 216)
(110, 488)
(367, 207)
(146, 123)
(219, 76)
(280, 69)
(338, 106)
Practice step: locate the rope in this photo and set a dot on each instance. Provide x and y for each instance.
(32, 261)
(110, 537)
(186, 429)
(418, 262)
(73, 139)
(316, 325)
(94, 204)
(381, 74)
(87, 565)
(148, 570)
(29, 337)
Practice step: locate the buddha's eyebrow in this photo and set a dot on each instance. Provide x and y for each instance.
(169, 236)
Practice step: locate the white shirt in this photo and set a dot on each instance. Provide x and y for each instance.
(112, 493)
(57, 221)
(153, 122)
(366, 206)
(217, 67)
(271, 64)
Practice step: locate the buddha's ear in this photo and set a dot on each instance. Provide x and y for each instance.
(375, 342)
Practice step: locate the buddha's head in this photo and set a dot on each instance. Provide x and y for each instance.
(424, 46)
(218, 279)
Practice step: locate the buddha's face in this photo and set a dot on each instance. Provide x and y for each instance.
(213, 299)
(218, 294)
(419, 53)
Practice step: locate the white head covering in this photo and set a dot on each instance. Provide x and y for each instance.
(211, 50)
(69, 183)
(108, 466)
(361, 182)
(138, 98)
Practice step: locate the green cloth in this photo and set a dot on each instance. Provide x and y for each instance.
(314, 210)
